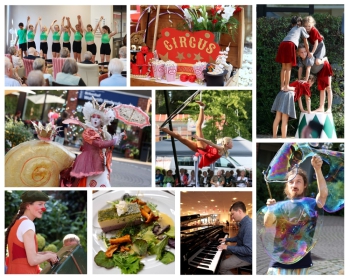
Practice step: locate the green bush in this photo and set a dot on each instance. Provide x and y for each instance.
(270, 33)
(16, 133)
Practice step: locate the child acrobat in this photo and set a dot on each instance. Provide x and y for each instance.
(317, 46)
(284, 106)
(324, 74)
(286, 54)
(303, 88)
(210, 152)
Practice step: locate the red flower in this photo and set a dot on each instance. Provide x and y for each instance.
(214, 21)
(212, 11)
(238, 9)
(185, 7)
(218, 7)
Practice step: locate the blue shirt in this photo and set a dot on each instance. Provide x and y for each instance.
(244, 239)
(114, 80)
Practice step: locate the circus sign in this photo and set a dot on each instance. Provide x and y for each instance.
(185, 47)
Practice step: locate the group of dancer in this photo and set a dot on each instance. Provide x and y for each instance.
(311, 60)
(26, 37)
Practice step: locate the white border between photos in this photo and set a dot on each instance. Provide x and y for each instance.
(177, 196)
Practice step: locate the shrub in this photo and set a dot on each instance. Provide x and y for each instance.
(16, 133)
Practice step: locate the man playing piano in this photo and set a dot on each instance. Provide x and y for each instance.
(241, 254)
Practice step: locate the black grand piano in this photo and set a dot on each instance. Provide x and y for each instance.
(199, 253)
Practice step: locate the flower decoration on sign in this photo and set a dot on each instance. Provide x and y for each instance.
(217, 18)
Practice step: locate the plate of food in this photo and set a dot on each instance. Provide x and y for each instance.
(134, 232)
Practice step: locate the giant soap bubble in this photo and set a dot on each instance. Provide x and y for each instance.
(291, 155)
(289, 229)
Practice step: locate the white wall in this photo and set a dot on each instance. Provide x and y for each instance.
(49, 13)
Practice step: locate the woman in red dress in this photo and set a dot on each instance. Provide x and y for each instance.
(209, 151)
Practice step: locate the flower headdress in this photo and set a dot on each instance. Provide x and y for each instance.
(91, 108)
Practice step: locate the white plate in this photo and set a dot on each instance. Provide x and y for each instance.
(165, 204)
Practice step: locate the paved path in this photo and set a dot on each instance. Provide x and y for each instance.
(127, 172)
(327, 255)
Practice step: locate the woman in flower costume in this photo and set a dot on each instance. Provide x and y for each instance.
(93, 166)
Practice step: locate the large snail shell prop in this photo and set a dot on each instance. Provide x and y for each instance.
(36, 164)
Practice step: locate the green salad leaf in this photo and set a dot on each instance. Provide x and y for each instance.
(171, 232)
(128, 264)
(140, 247)
(167, 257)
(158, 248)
(101, 260)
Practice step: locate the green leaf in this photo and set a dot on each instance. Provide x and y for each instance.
(101, 260)
(140, 247)
(158, 248)
(128, 264)
(167, 257)
(171, 232)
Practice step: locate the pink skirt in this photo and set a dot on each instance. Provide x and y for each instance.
(286, 53)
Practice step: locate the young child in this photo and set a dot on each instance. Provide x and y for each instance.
(284, 106)
(286, 51)
(324, 74)
(316, 40)
(303, 88)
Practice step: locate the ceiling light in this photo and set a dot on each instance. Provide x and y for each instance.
(212, 200)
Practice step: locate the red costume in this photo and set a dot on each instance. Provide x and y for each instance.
(17, 260)
(92, 159)
(286, 53)
(209, 155)
(300, 89)
(314, 35)
(323, 76)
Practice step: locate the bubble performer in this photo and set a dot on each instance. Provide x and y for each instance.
(294, 223)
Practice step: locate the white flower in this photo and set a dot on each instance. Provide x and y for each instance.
(229, 10)
(187, 15)
(200, 19)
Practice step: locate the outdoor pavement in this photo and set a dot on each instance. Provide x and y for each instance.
(126, 172)
(327, 255)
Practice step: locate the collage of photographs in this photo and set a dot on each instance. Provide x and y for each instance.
(217, 131)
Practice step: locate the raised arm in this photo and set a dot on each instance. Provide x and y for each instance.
(322, 195)
(36, 26)
(28, 21)
(62, 23)
(82, 26)
(114, 32)
(98, 25)
(40, 23)
(70, 25)
(51, 27)
(269, 218)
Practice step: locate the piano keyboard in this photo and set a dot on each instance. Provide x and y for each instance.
(207, 258)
